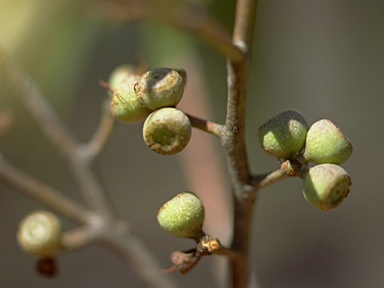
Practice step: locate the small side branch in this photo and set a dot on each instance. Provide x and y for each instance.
(264, 180)
(91, 150)
(41, 111)
(205, 125)
(56, 131)
(131, 250)
(43, 193)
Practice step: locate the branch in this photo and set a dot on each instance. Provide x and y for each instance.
(264, 180)
(45, 116)
(205, 125)
(233, 141)
(101, 224)
(93, 148)
(43, 193)
(32, 98)
(131, 249)
(179, 14)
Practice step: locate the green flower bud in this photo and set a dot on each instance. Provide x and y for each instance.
(326, 144)
(119, 74)
(283, 136)
(167, 131)
(124, 104)
(326, 185)
(183, 216)
(162, 87)
(39, 234)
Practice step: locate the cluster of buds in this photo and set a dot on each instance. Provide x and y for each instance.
(288, 137)
(152, 97)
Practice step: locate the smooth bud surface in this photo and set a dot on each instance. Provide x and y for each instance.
(183, 216)
(167, 131)
(283, 136)
(326, 144)
(39, 234)
(326, 186)
(124, 104)
(162, 87)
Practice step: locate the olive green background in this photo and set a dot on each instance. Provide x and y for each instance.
(323, 58)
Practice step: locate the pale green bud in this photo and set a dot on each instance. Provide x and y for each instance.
(124, 104)
(283, 136)
(326, 144)
(326, 186)
(183, 216)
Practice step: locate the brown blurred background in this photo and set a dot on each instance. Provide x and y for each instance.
(323, 58)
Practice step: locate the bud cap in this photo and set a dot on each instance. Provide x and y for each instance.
(326, 186)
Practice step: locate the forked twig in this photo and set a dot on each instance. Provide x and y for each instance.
(100, 223)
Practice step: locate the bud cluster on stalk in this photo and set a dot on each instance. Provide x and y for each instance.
(152, 97)
(289, 138)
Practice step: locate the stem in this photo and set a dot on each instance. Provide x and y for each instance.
(55, 130)
(205, 125)
(93, 148)
(100, 223)
(132, 250)
(43, 193)
(264, 180)
(233, 141)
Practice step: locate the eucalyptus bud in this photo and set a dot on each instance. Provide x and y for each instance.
(167, 131)
(39, 234)
(326, 144)
(326, 186)
(283, 136)
(162, 87)
(183, 216)
(124, 105)
(119, 74)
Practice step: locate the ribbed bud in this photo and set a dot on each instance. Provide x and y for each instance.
(326, 186)
(326, 144)
(283, 136)
(124, 105)
(183, 216)
(167, 131)
(162, 87)
(39, 234)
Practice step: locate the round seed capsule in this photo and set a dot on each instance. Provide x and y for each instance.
(167, 131)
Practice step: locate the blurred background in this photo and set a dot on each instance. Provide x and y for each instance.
(323, 58)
